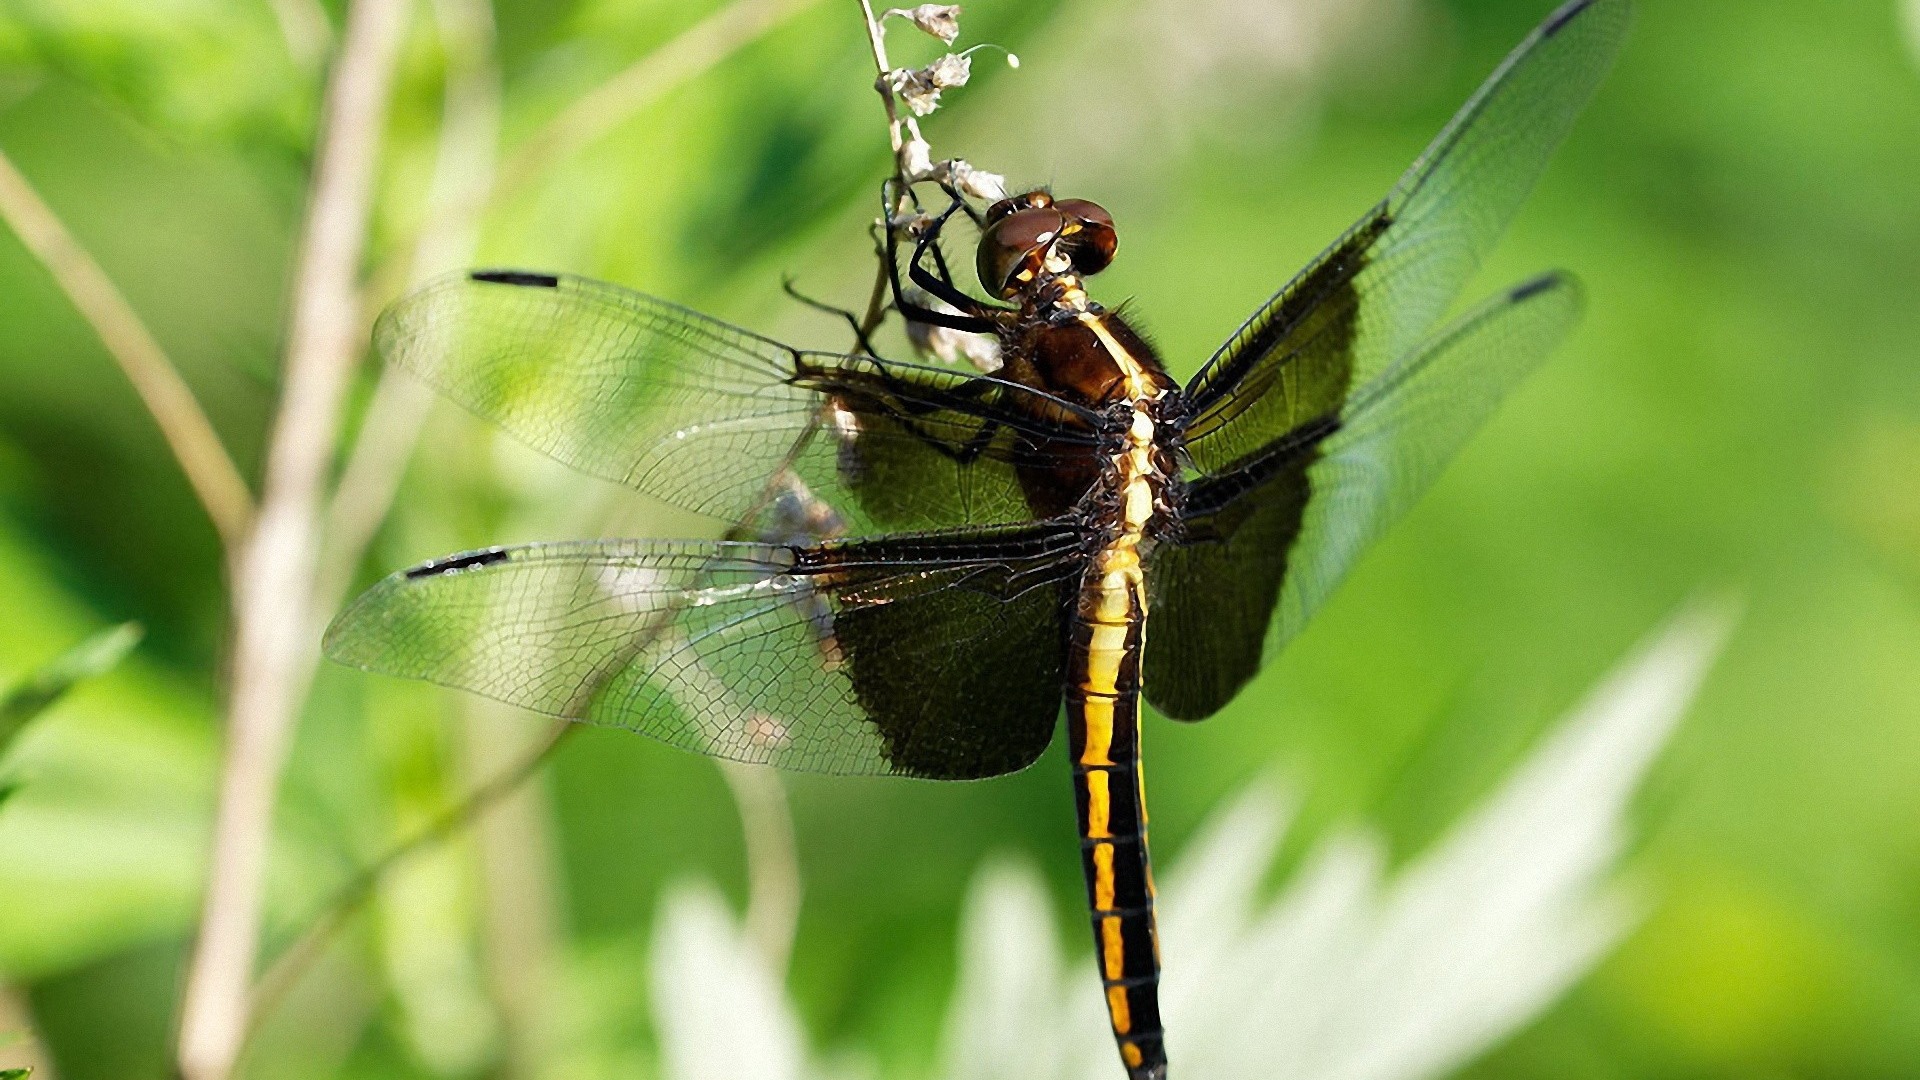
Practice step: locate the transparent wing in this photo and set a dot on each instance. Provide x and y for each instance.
(1266, 542)
(936, 655)
(1379, 291)
(701, 414)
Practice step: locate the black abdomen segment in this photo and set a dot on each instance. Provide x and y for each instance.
(1103, 719)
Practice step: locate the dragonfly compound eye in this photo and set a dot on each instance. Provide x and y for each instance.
(1014, 247)
(1037, 199)
(1090, 238)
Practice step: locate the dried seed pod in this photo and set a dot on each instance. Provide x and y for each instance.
(939, 20)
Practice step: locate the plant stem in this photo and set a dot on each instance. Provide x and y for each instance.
(520, 884)
(773, 865)
(463, 174)
(294, 960)
(216, 481)
(304, 25)
(273, 585)
(899, 130)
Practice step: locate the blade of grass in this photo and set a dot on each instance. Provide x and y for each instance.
(41, 690)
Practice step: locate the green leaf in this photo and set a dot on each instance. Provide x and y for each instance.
(15, 1074)
(40, 690)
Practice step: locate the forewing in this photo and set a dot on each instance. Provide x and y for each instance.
(912, 448)
(702, 414)
(934, 656)
(1267, 542)
(1378, 292)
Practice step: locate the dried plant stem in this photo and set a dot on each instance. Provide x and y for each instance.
(292, 962)
(604, 108)
(773, 864)
(304, 25)
(196, 446)
(903, 131)
(273, 642)
(519, 881)
(879, 300)
(370, 481)
(905, 139)
(469, 144)
(900, 129)
(16, 1016)
(463, 174)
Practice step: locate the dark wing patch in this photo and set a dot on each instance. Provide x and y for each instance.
(960, 683)
(1214, 591)
(1265, 543)
(701, 414)
(1378, 292)
(916, 448)
(933, 656)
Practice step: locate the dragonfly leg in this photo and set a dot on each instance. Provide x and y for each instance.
(942, 284)
(853, 321)
(974, 316)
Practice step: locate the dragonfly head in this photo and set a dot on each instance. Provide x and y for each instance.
(1032, 236)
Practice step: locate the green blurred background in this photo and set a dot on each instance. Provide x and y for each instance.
(1740, 410)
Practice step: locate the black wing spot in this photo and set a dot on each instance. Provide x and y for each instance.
(517, 277)
(1559, 19)
(1527, 290)
(457, 563)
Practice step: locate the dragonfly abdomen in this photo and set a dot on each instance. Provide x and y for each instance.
(1103, 719)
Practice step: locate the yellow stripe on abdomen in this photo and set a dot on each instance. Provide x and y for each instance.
(1098, 714)
(1118, 1009)
(1099, 806)
(1113, 955)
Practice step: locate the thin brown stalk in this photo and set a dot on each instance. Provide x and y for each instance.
(273, 641)
(879, 299)
(285, 970)
(371, 480)
(607, 106)
(877, 40)
(189, 434)
(773, 864)
(902, 130)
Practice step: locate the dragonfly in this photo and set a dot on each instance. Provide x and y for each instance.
(931, 564)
